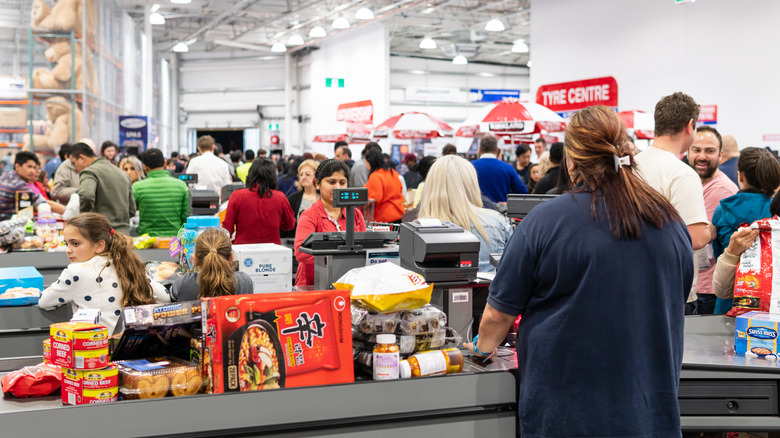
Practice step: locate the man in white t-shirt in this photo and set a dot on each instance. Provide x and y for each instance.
(675, 130)
(213, 172)
(704, 156)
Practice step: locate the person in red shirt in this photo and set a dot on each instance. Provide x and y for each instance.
(384, 187)
(322, 216)
(258, 212)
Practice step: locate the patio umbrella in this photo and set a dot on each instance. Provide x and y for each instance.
(511, 117)
(412, 125)
(640, 123)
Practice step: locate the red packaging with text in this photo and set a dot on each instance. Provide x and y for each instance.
(79, 345)
(47, 350)
(277, 340)
(90, 386)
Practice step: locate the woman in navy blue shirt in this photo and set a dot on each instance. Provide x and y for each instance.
(600, 276)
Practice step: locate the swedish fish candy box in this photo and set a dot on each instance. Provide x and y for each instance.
(755, 334)
(79, 345)
(90, 386)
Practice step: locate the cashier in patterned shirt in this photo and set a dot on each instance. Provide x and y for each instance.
(22, 180)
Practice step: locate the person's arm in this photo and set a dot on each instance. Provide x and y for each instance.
(306, 226)
(61, 190)
(492, 330)
(288, 216)
(229, 223)
(60, 292)
(701, 235)
(87, 190)
(374, 186)
(131, 203)
(726, 266)
(517, 184)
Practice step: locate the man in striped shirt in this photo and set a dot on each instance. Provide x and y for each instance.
(19, 181)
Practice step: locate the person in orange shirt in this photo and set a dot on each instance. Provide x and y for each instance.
(384, 187)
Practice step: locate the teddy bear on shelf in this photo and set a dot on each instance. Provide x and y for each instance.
(59, 120)
(66, 64)
(64, 16)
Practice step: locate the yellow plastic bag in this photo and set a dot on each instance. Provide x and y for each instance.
(144, 241)
(386, 287)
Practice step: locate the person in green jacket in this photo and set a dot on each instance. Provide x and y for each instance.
(243, 170)
(163, 201)
(103, 188)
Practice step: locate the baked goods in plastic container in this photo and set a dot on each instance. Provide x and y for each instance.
(158, 377)
(372, 323)
(426, 319)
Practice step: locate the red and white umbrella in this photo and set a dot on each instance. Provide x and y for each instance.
(642, 124)
(330, 138)
(511, 117)
(411, 125)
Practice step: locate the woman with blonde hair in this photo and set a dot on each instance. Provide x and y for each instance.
(215, 277)
(307, 194)
(600, 275)
(133, 167)
(451, 194)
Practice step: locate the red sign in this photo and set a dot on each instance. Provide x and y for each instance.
(356, 112)
(571, 96)
(708, 114)
(770, 137)
(274, 139)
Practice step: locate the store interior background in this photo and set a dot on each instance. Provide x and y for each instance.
(718, 51)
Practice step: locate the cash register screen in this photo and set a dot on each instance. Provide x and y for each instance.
(189, 178)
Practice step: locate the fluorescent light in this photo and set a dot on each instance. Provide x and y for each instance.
(155, 8)
(340, 23)
(181, 2)
(180, 47)
(529, 64)
(494, 25)
(460, 60)
(364, 14)
(485, 74)
(317, 32)
(428, 10)
(427, 43)
(295, 40)
(278, 48)
(190, 41)
(156, 18)
(417, 72)
(520, 47)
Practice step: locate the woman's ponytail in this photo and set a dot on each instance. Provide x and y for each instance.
(136, 289)
(213, 251)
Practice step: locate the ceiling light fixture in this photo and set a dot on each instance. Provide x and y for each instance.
(340, 23)
(190, 41)
(460, 60)
(427, 43)
(317, 32)
(181, 2)
(295, 40)
(364, 14)
(157, 19)
(529, 64)
(155, 8)
(180, 47)
(520, 47)
(278, 48)
(417, 72)
(428, 10)
(494, 25)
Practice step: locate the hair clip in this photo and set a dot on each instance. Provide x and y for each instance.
(112, 231)
(621, 161)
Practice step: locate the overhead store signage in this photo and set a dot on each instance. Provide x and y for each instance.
(334, 82)
(433, 94)
(708, 114)
(359, 117)
(770, 137)
(572, 96)
(506, 126)
(135, 132)
(481, 95)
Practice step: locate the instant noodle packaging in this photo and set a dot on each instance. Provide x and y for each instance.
(79, 345)
(277, 340)
(158, 377)
(82, 387)
(386, 287)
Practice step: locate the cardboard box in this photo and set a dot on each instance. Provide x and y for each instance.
(13, 117)
(277, 340)
(79, 345)
(272, 283)
(263, 259)
(90, 386)
(26, 276)
(158, 330)
(755, 334)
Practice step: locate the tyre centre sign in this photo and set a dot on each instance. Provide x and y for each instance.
(575, 95)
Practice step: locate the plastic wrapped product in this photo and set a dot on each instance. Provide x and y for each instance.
(426, 319)
(158, 377)
(374, 323)
(386, 287)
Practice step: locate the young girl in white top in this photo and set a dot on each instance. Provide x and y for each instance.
(104, 272)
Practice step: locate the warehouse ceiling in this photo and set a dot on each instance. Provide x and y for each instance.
(456, 26)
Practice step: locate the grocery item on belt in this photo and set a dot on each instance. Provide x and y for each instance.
(755, 335)
(277, 340)
(163, 272)
(81, 387)
(47, 350)
(158, 330)
(158, 377)
(426, 319)
(32, 381)
(443, 337)
(79, 345)
(372, 322)
(386, 287)
(755, 286)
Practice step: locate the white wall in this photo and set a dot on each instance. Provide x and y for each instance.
(720, 52)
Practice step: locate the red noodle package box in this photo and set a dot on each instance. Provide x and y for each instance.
(277, 340)
(79, 345)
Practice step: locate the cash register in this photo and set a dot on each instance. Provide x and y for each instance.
(438, 251)
(203, 202)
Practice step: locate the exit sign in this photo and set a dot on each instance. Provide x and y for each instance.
(334, 82)
(679, 2)
(273, 127)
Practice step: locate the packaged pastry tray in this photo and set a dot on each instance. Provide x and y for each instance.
(158, 377)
